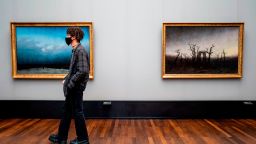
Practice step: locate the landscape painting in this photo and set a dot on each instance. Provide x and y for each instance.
(202, 50)
(39, 50)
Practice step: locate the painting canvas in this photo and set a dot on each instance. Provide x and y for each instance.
(39, 49)
(202, 50)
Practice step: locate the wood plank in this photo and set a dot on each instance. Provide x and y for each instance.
(135, 131)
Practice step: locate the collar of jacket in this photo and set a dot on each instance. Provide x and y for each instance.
(74, 49)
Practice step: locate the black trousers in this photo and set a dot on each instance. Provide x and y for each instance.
(73, 108)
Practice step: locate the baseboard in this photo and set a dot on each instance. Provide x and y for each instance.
(131, 109)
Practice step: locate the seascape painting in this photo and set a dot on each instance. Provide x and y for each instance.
(41, 51)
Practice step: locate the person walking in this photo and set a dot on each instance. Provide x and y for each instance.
(73, 86)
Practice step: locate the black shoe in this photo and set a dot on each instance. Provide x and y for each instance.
(76, 141)
(54, 139)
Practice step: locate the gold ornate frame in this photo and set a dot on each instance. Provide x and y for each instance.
(13, 26)
(193, 76)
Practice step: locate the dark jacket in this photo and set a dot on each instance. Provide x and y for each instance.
(79, 69)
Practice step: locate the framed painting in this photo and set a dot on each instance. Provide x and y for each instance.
(39, 50)
(202, 50)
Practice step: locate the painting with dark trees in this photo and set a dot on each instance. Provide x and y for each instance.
(39, 49)
(202, 50)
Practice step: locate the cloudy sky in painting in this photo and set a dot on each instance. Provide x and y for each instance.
(224, 38)
(45, 45)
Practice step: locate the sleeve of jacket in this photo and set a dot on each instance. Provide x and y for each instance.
(81, 68)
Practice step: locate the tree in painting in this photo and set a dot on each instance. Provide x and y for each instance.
(201, 50)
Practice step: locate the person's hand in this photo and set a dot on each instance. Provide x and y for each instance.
(63, 81)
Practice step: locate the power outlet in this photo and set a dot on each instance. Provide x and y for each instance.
(248, 103)
(107, 103)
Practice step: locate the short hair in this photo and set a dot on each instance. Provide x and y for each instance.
(77, 32)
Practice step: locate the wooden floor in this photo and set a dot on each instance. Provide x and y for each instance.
(130, 131)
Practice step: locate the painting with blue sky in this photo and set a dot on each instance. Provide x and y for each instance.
(42, 49)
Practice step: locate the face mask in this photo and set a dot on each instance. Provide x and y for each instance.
(68, 40)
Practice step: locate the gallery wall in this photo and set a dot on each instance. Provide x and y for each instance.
(127, 48)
